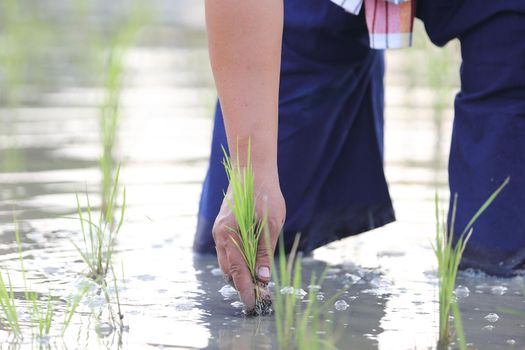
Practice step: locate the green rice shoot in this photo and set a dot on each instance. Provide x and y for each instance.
(7, 295)
(71, 307)
(458, 325)
(42, 318)
(8, 305)
(14, 50)
(242, 204)
(99, 238)
(449, 256)
(287, 273)
(115, 287)
(113, 71)
(41, 312)
(115, 320)
(297, 327)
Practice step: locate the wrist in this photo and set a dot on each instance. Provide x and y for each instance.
(262, 153)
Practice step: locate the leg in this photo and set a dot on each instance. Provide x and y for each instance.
(488, 142)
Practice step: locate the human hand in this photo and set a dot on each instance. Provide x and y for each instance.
(269, 203)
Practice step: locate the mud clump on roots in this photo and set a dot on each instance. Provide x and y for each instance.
(263, 301)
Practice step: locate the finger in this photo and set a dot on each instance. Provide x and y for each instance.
(241, 276)
(222, 259)
(265, 251)
(221, 235)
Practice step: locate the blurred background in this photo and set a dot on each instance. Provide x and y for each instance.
(87, 86)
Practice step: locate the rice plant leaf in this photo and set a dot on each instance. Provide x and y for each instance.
(71, 307)
(486, 204)
(449, 258)
(460, 334)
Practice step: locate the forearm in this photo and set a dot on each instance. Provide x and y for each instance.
(245, 51)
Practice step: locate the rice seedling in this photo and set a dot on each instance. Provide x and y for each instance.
(21, 257)
(115, 287)
(109, 120)
(23, 35)
(98, 245)
(13, 53)
(42, 318)
(42, 315)
(71, 307)
(287, 274)
(116, 320)
(449, 256)
(99, 238)
(7, 295)
(13, 59)
(297, 328)
(458, 325)
(308, 325)
(8, 306)
(249, 228)
(113, 72)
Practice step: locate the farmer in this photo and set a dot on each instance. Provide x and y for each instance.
(315, 90)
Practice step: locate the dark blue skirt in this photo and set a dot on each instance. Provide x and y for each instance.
(488, 140)
(330, 152)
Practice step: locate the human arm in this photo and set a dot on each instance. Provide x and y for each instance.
(244, 39)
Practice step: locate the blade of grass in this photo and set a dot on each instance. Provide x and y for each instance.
(8, 306)
(486, 204)
(449, 257)
(71, 307)
(460, 334)
(99, 249)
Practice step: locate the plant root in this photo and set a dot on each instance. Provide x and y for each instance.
(263, 301)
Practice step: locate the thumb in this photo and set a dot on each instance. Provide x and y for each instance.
(264, 254)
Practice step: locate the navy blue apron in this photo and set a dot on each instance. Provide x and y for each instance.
(488, 140)
(330, 143)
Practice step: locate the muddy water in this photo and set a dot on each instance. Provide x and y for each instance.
(170, 298)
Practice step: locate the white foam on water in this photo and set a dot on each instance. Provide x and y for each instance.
(228, 291)
(492, 317)
(341, 305)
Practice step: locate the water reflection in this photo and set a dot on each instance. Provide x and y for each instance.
(358, 325)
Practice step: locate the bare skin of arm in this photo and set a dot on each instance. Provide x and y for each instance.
(244, 38)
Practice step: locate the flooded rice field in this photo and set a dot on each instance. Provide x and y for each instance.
(50, 101)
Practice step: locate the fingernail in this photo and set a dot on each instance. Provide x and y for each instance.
(264, 272)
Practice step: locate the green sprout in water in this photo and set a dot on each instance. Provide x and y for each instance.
(71, 308)
(42, 317)
(99, 238)
(458, 323)
(249, 227)
(288, 274)
(449, 256)
(8, 306)
(115, 286)
(297, 328)
(113, 69)
(41, 313)
(99, 244)
(107, 294)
